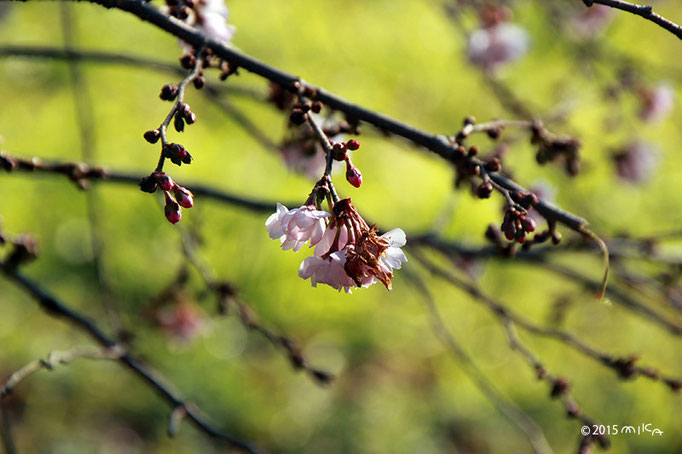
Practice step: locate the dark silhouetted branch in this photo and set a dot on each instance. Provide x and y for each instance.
(57, 309)
(645, 11)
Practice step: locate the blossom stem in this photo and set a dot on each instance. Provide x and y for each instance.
(198, 66)
(327, 146)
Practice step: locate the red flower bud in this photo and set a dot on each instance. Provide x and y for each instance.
(183, 196)
(353, 175)
(152, 136)
(172, 210)
(165, 182)
(352, 144)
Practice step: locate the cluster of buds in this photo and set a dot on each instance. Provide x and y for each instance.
(183, 115)
(181, 197)
(517, 223)
(177, 154)
(348, 253)
(465, 167)
(299, 111)
(551, 149)
(340, 153)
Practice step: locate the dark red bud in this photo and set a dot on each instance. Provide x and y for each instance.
(353, 175)
(484, 190)
(152, 136)
(169, 92)
(165, 182)
(352, 144)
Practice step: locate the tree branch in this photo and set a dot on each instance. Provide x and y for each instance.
(437, 144)
(645, 11)
(57, 309)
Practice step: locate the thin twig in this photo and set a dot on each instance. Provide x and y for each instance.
(57, 309)
(249, 319)
(525, 423)
(625, 366)
(179, 102)
(84, 119)
(645, 11)
(56, 358)
(438, 144)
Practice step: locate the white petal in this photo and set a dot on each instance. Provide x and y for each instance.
(326, 242)
(396, 237)
(317, 232)
(395, 257)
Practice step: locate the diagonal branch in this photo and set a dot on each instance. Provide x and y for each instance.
(437, 144)
(645, 11)
(524, 422)
(57, 309)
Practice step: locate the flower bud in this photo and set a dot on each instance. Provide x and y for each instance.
(148, 184)
(190, 118)
(352, 144)
(297, 117)
(199, 82)
(172, 210)
(528, 224)
(353, 175)
(339, 151)
(152, 136)
(178, 122)
(169, 92)
(188, 61)
(484, 190)
(317, 107)
(183, 196)
(165, 182)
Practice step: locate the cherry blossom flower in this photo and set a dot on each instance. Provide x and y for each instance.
(492, 47)
(329, 270)
(212, 19)
(636, 162)
(350, 253)
(183, 320)
(392, 257)
(590, 21)
(657, 102)
(302, 156)
(296, 227)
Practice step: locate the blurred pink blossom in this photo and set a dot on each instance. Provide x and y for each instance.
(492, 47)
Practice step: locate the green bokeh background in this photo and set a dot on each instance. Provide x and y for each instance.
(397, 388)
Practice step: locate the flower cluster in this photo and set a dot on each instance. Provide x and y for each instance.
(180, 197)
(348, 253)
(517, 223)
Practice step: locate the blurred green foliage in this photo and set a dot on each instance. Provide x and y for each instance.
(397, 389)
